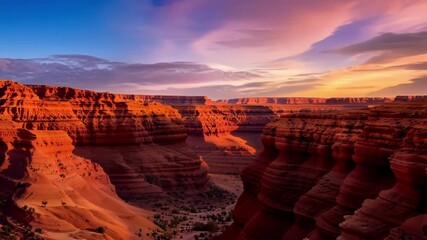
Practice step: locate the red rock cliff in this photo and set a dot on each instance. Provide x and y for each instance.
(44, 185)
(353, 175)
(133, 140)
(227, 135)
(303, 100)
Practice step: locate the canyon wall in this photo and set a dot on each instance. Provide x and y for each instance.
(304, 100)
(58, 93)
(226, 136)
(44, 185)
(140, 145)
(355, 174)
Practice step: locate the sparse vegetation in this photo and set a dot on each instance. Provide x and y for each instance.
(209, 226)
(100, 230)
(19, 185)
(176, 213)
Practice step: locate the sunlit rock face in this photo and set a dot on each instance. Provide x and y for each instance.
(44, 185)
(227, 134)
(301, 100)
(357, 174)
(133, 140)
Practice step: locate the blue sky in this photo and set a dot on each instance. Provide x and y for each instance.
(217, 48)
(46, 27)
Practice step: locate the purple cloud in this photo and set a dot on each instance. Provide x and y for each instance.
(390, 45)
(417, 86)
(90, 72)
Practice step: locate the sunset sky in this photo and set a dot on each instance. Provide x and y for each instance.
(218, 48)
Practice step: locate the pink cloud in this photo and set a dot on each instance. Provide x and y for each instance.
(241, 33)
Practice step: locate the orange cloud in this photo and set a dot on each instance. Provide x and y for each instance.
(367, 79)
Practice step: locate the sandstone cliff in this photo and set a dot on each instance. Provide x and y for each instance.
(140, 145)
(227, 135)
(303, 100)
(353, 175)
(53, 93)
(44, 185)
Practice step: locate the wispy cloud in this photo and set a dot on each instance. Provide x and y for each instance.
(182, 78)
(389, 46)
(90, 72)
(414, 87)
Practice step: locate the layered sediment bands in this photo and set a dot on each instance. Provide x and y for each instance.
(227, 136)
(329, 166)
(103, 124)
(322, 196)
(149, 170)
(299, 101)
(112, 119)
(71, 93)
(218, 119)
(65, 195)
(247, 204)
(20, 104)
(305, 155)
(383, 135)
(172, 100)
(407, 197)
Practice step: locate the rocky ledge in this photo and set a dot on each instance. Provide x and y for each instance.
(140, 145)
(358, 174)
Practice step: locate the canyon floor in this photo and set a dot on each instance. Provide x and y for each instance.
(178, 213)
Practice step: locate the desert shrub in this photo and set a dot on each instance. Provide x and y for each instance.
(209, 226)
(19, 185)
(6, 229)
(100, 230)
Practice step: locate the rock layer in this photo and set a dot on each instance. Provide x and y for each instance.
(329, 166)
(301, 100)
(227, 136)
(99, 123)
(49, 187)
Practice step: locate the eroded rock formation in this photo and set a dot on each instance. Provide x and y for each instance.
(227, 135)
(352, 175)
(43, 184)
(140, 145)
(303, 100)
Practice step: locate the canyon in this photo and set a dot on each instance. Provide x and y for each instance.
(79, 164)
(353, 174)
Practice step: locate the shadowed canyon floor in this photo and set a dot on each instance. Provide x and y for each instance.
(77, 164)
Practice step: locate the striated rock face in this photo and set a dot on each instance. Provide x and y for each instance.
(384, 134)
(49, 187)
(140, 145)
(300, 100)
(407, 197)
(330, 165)
(111, 119)
(71, 93)
(218, 119)
(247, 205)
(227, 136)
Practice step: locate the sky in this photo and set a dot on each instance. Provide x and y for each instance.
(218, 48)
